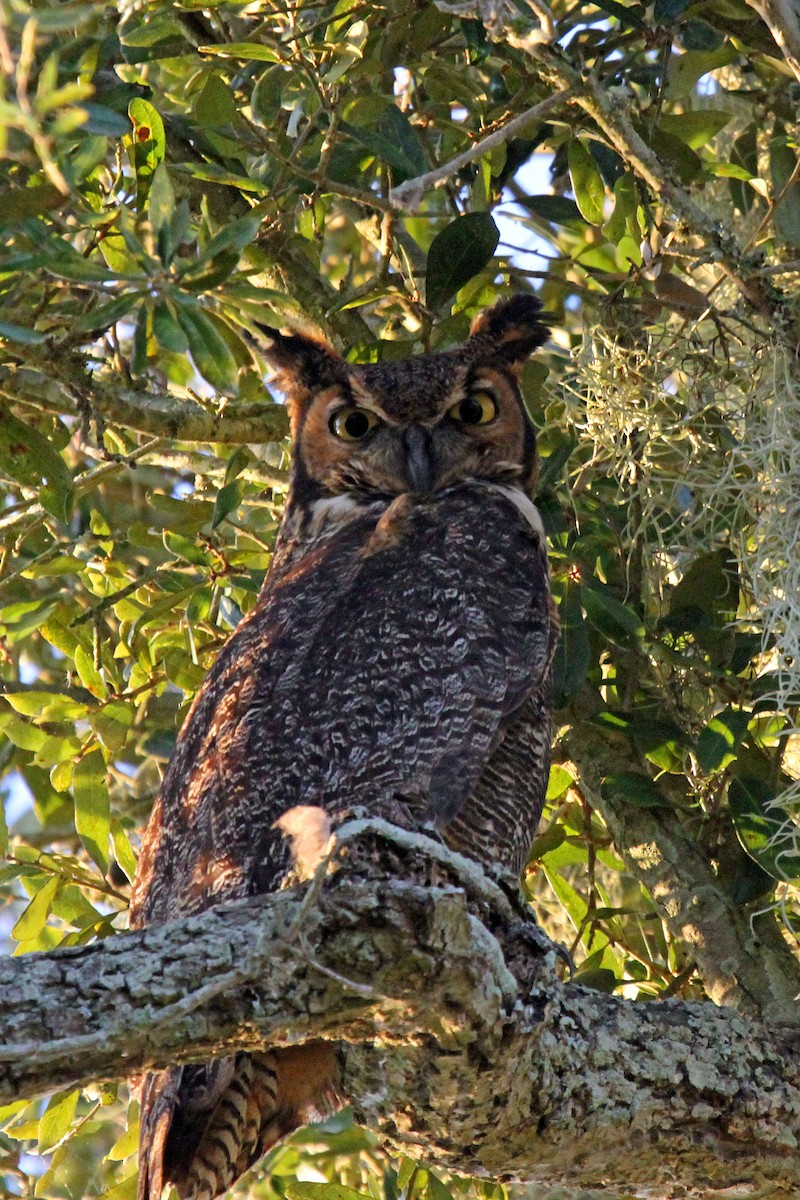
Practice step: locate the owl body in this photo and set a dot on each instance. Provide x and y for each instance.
(396, 664)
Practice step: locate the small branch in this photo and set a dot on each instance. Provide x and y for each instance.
(407, 195)
(160, 415)
(782, 18)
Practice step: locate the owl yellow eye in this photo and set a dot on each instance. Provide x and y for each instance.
(351, 424)
(478, 408)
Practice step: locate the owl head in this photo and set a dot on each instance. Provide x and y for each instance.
(414, 426)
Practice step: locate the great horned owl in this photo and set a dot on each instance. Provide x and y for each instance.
(397, 662)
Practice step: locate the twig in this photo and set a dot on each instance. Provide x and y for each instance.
(407, 195)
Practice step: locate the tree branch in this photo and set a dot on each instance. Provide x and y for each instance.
(783, 20)
(407, 195)
(159, 415)
(463, 1046)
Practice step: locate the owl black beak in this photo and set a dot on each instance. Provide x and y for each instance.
(420, 468)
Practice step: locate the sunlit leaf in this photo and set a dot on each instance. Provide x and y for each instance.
(587, 182)
(765, 830)
(57, 1118)
(148, 144)
(323, 1191)
(249, 51)
(718, 743)
(696, 128)
(92, 816)
(30, 924)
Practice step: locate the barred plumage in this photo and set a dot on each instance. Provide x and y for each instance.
(397, 663)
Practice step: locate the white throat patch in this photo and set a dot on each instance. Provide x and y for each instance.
(523, 504)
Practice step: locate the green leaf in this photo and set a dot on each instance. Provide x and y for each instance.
(215, 103)
(600, 979)
(125, 1146)
(20, 333)
(3, 830)
(552, 468)
(148, 145)
(744, 154)
(558, 210)
(229, 497)
(697, 128)
(126, 1189)
(249, 51)
(625, 200)
(236, 236)
(29, 458)
(154, 612)
(160, 209)
(457, 254)
(764, 829)
(710, 585)
(186, 548)
(659, 739)
(323, 1191)
(92, 813)
(139, 344)
(47, 705)
(103, 316)
(629, 787)
(559, 780)
(167, 331)
(34, 918)
(628, 15)
(571, 900)
(209, 350)
(782, 163)
(587, 182)
(123, 852)
(719, 742)
(88, 673)
(666, 12)
(105, 121)
(573, 655)
(551, 839)
(395, 141)
(57, 1119)
(617, 622)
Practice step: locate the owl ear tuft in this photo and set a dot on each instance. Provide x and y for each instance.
(511, 330)
(304, 363)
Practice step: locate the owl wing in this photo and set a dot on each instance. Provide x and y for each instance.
(382, 668)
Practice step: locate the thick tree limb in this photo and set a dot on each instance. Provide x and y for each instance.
(463, 1045)
(146, 412)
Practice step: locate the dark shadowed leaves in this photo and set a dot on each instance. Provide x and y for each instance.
(457, 254)
(764, 829)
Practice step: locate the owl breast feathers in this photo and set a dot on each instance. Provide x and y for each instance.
(397, 663)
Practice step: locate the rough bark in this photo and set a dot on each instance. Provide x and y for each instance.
(463, 1046)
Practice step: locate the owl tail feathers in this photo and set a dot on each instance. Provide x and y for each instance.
(202, 1138)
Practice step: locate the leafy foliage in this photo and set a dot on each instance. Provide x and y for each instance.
(176, 179)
